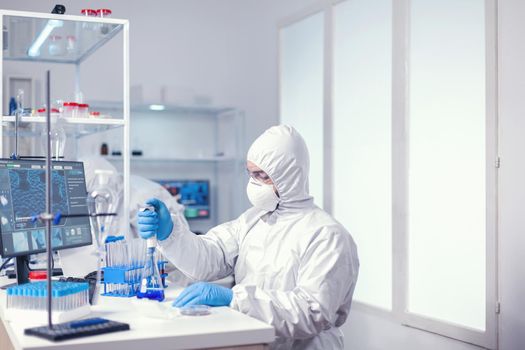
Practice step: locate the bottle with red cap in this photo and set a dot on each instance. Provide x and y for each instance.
(70, 109)
(89, 13)
(104, 13)
(56, 46)
(83, 110)
(71, 44)
(42, 112)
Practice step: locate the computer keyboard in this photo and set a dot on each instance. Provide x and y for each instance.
(77, 329)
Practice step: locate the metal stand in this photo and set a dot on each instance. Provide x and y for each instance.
(47, 216)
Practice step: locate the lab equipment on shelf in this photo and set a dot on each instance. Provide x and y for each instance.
(89, 12)
(71, 44)
(104, 28)
(58, 137)
(56, 46)
(70, 109)
(41, 112)
(83, 110)
(29, 301)
(125, 261)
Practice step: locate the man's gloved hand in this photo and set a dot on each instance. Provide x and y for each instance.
(158, 222)
(203, 293)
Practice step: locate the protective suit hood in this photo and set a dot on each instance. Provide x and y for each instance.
(282, 153)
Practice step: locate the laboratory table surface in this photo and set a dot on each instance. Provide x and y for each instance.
(223, 328)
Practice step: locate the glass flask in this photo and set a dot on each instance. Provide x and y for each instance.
(151, 286)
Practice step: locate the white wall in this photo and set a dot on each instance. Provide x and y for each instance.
(512, 173)
(368, 330)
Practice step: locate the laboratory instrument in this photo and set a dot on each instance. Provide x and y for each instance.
(193, 194)
(151, 286)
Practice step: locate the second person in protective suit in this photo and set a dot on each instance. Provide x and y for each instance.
(295, 267)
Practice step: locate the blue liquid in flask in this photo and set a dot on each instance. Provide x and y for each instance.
(151, 283)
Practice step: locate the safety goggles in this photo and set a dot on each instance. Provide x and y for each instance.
(259, 175)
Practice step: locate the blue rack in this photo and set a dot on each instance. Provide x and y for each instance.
(125, 281)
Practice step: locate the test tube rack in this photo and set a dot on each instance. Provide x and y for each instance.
(28, 302)
(125, 281)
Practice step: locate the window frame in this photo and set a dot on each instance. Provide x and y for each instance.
(400, 119)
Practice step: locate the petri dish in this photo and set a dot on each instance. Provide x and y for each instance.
(195, 310)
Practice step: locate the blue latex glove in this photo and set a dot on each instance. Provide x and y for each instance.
(203, 293)
(158, 222)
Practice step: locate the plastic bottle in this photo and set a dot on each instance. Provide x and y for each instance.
(83, 110)
(104, 29)
(56, 46)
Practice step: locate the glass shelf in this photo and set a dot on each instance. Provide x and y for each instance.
(168, 109)
(76, 127)
(63, 39)
(174, 160)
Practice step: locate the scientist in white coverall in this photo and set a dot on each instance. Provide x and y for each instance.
(295, 267)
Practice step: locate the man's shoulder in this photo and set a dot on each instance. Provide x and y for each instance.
(318, 224)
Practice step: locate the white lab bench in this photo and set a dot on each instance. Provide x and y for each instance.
(225, 328)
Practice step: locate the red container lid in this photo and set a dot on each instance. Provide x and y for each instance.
(89, 12)
(83, 105)
(104, 12)
(42, 110)
(95, 114)
(37, 275)
(70, 104)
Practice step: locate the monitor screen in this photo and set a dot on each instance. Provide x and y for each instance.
(22, 196)
(193, 194)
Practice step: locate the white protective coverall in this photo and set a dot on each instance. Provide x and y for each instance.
(295, 268)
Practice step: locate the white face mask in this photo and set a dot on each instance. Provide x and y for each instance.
(261, 195)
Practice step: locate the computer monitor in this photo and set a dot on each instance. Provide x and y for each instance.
(22, 197)
(193, 194)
